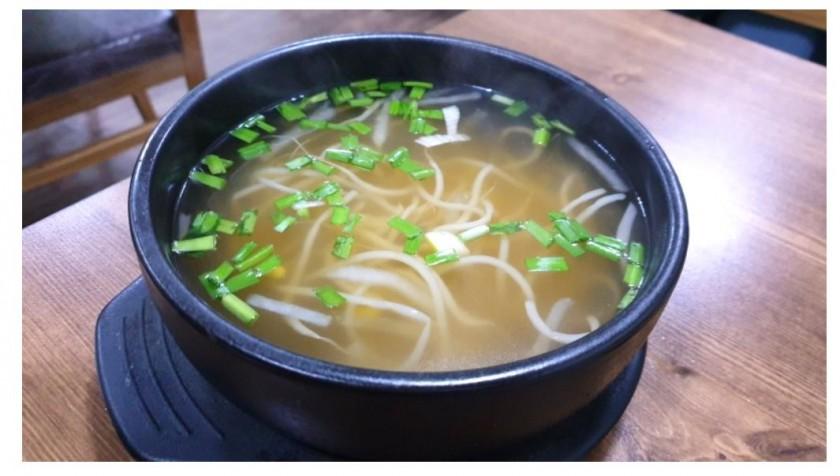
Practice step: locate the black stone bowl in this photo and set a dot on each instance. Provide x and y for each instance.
(377, 414)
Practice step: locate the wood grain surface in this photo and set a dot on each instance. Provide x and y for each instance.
(736, 366)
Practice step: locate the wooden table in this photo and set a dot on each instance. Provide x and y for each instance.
(736, 366)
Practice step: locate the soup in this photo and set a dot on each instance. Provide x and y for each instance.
(397, 226)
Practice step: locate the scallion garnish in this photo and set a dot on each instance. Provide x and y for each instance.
(418, 84)
(501, 99)
(540, 121)
(350, 142)
(636, 253)
(546, 263)
(283, 203)
(340, 215)
(322, 167)
(628, 298)
(244, 252)
(417, 125)
(376, 94)
(360, 102)
(325, 190)
(474, 232)
(541, 137)
(254, 150)
(417, 93)
(209, 180)
(254, 258)
(335, 200)
(340, 95)
(573, 249)
(315, 98)
(342, 246)
(266, 127)
(368, 153)
(516, 109)
(312, 124)
(441, 257)
(242, 280)
(329, 297)
(611, 242)
(221, 273)
(633, 275)
(390, 86)
(563, 127)
(365, 85)
(505, 228)
(395, 108)
(282, 222)
(290, 112)
(397, 156)
(203, 243)
(431, 113)
(601, 249)
(412, 245)
(268, 265)
(354, 220)
(299, 163)
(204, 223)
(240, 309)
(215, 164)
(410, 110)
(539, 233)
(360, 128)
(338, 127)
(422, 174)
(245, 135)
(228, 227)
(410, 230)
(363, 162)
(247, 222)
(302, 212)
(339, 155)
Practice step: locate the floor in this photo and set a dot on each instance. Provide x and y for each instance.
(227, 37)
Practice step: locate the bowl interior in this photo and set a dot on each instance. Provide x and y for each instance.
(222, 101)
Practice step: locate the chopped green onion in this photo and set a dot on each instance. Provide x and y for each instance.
(397, 156)
(501, 99)
(338, 127)
(290, 112)
(441, 257)
(299, 163)
(410, 230)
(412, 245)
(244, 252)
(325, 190)
(376, 94)
(418, 84)
(417, 125)
(360, 128)
(611, 242)
(429, 129)
(369, 154)
(516, 109)
(204, 223)
(243, 280)
(315, 98)
(350, 142)
(579, 229)
(417, 93)
(365, 85)
(283, 203)
(563, 127)
(335, 200)
(254, 150)
(410, 110)
(636, 254)
(228, 227)
(354, 220)
(302, 212)
(266, 127)
(245, 135)
(247, 222)
(340, 95)
(254, 258)
(633, 275)
(322, 167)
(628, 298)
(209, 180)
(409, 166)
(541, 137)
(340, 215)
(538, 232)
(505, 228)
(571, 229)
(240, 309)
(361, 102)
(422, 174)
(601, 249)
(339, 155)
(329, 297)
(573, 249)
(473, 233)
(395, 108)
(391, 86)
(342, 246)
(248, 123)
(363, 162)
(546, 263)
(282, 222)
(213, 289)
(203, 243)
(215, 164)
(540, 121)
(221, 273)
(556, 216)
(268, 265)
(313, 124)
(431, 113)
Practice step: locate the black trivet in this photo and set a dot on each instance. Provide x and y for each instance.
(163, 409)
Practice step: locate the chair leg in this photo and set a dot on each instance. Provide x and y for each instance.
(190, 47)
(144, 105)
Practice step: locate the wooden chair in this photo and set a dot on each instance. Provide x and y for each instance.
(129, 73)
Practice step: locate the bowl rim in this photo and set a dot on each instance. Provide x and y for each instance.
(619, 329)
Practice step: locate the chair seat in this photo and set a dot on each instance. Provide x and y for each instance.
(65, 49)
